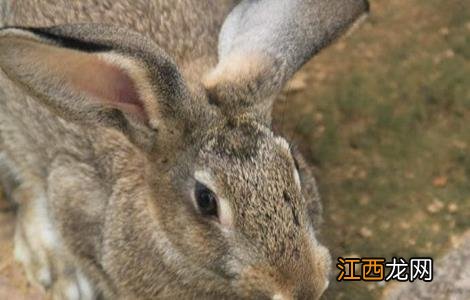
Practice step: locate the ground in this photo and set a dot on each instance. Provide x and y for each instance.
(383, 118)
(451, 278)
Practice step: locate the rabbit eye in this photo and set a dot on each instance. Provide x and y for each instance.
(206, 200)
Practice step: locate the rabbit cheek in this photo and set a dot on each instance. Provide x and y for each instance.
(262, 283)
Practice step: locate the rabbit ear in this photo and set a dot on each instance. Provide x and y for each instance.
(93, 73)
(264, 42)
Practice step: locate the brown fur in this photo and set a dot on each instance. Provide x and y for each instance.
(106, 176)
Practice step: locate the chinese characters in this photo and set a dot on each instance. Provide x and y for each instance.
(377, 269)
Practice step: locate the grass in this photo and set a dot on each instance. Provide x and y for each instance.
(385, 121)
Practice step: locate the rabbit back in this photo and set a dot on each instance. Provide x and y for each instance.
(185, 29)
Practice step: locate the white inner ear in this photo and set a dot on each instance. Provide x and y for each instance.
(223, 205)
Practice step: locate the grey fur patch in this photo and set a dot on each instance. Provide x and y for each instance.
(4, 8)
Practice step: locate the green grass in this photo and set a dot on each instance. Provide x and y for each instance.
(391, 114)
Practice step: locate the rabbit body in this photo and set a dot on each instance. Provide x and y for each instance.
(120, 128)
(39, 146)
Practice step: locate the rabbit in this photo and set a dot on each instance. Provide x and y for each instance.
(139, 137)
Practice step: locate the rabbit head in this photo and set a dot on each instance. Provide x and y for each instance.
(206, 200)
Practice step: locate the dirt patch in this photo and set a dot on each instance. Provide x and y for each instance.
(451, 280)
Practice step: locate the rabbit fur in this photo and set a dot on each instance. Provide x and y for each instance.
(112, 113)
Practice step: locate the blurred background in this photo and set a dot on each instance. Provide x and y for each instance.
(383, 118)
